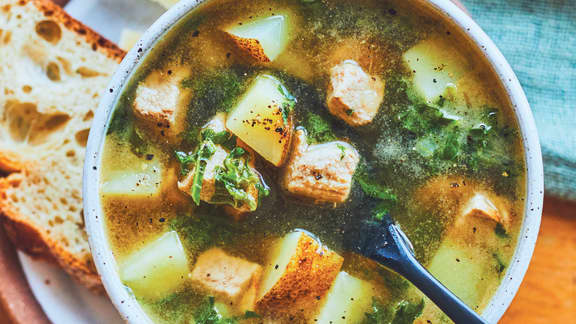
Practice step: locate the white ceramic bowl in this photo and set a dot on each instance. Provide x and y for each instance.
(106, 264)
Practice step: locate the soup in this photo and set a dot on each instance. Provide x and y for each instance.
(256, 135)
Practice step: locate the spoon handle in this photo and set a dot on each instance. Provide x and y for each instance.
(406, 265)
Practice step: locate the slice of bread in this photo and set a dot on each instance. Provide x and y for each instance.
(53, 70)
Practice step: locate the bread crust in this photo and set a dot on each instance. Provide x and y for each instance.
(99, 43)
(27, 234)
(37, 243)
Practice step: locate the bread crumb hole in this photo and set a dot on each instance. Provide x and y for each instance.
(64, 201)
(7, 37)
(65, 64)
(58, 220)
(70, 153)
(49, 31)
(89, 115)
(82, 137)
(15, 198)
(86, 72)
(26, 88)
(26, 124)
(53, 71)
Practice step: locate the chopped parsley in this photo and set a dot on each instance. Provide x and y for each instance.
(319, 129)
(289, 103)
(386, 199)
(342, 150)
(404, 312)
(500, 231)
(207, 313)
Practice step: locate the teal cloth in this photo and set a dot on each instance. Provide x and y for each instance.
(538, 38)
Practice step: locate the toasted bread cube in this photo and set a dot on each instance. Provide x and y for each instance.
(158, 269)
(435, 66)
(347, 301)
(354, 96)
(262, 40)
(230, 279)
(481, 206)
(262, 119)
(322, 172)
(298, 272)
(161, 101)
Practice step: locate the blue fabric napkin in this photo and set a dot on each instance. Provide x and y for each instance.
(538, 38)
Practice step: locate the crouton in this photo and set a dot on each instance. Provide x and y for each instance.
(299, 271)
(347, 301)
(481, 206)
(161, 101)
(321, 172)
(353, 95)
(232, 280)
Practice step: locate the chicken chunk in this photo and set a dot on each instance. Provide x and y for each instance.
(161, 101)
(353, 95)
(322, 172)
(209, 178)
(481, 206)
(216, 163)
(232, 280)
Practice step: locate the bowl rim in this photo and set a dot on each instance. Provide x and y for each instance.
(104, 259)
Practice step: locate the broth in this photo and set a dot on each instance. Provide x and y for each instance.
(433, 148)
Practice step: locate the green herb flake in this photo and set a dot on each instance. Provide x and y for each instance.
(288, 105)
(207, 149)
(233, 180)
(342, 151)
(500, 265)
(407, 312)
(318, 129)
(500, 231)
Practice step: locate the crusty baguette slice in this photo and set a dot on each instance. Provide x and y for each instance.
(52, 72)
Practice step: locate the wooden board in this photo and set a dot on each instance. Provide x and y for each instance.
(548, 293)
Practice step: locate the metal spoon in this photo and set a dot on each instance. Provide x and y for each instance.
(385, 243)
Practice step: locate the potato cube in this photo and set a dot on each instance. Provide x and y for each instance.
(298, 273)
(481, 206)
(347, 301)
(232, 280)
(158, 269)
(435, 66)
(141, 179)
(263, 40)
(263, 120)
